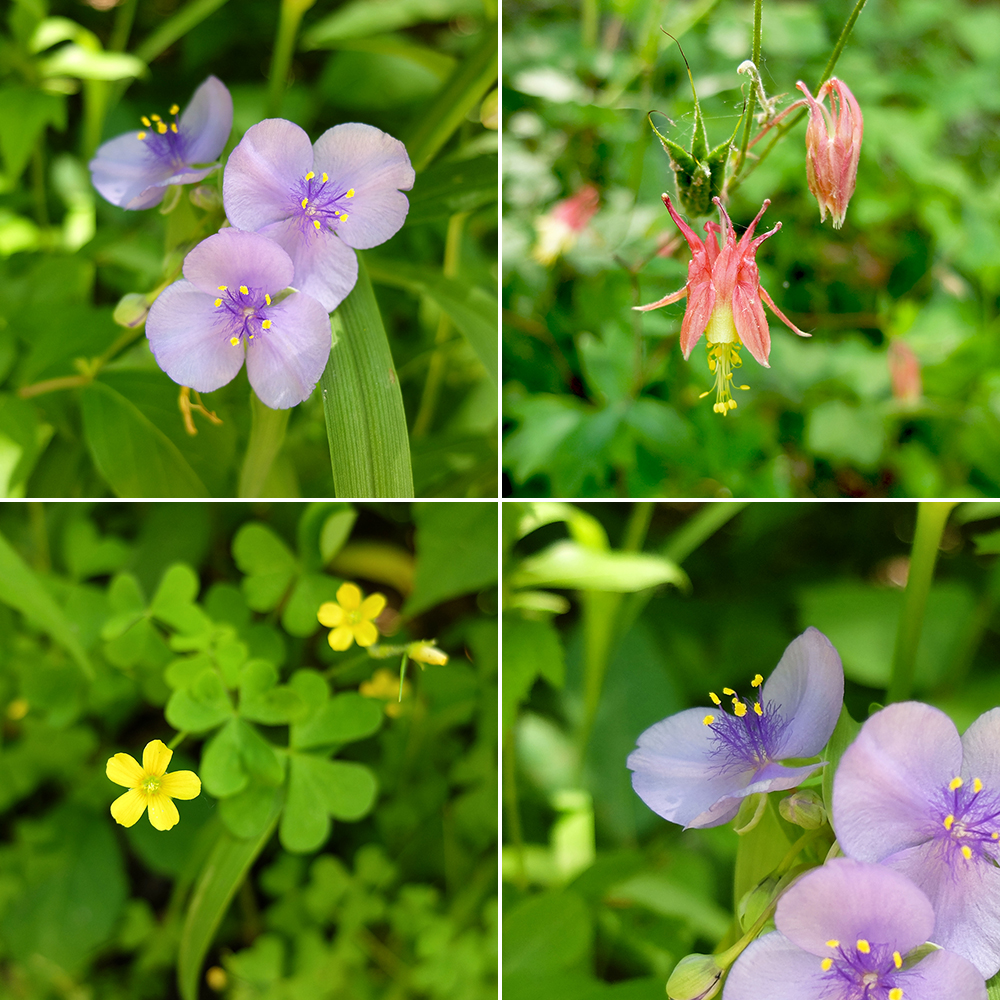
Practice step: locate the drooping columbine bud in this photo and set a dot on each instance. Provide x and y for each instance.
(833, 147)
(803, 808)
(695, 977)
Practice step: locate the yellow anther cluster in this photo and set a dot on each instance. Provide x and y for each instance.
(173, 126)
(310, 176)
(977, 786)
(739, 709)
(757, 708)
(955, 784)
(833, 943)
(244, 289)
(897, 959)
(145, 121)
(325, 178)
(863, 946)
(350, 192)
(995, 836)
(966, 852)
(161, 127)
(305, 201)
(223, 288)
(757, 681)
(174, 108)
(156, 118)
(716, 700)
(234, 341)
(708, 720)
(728, 691)
(267, 298)
(141, 135)
(316, 223)
(722, 359)
(948, 820)
(826, 964)
(218, 302)
(895, 993)
(266, 325)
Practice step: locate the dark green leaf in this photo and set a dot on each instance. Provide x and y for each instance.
(454, 186)
(268, 563)
(343, 719)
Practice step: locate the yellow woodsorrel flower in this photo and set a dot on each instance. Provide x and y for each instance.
(150, 785)
(351, 618)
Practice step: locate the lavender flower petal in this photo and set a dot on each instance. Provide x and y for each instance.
(772, 968)
(189, 340)
(285, 366)
(942, 974)
(121, 172)
(981, 749)
(207, 121)
(374, 164)
(880, 792)
(849, 900)
(258, 186)
(808, 685)
(233, 257)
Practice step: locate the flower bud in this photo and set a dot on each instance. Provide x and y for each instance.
(131, 310)
(424, 651)
(206, 196)
(756, 901)
(695, 977)
(904, 372)
(558, 229)
(833, 146)
(804, 808)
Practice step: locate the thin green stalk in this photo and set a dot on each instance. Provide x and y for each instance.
(38, 182)
(513, 815)
(124, 16)
(841, 42)
(931, 519)
(588, 23)
(752, 100)
(267, 434)
(698, 528)
(281, 56)
(638, 526)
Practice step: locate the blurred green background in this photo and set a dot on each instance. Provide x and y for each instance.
(67, 256)
(602, 897)
(599, 401)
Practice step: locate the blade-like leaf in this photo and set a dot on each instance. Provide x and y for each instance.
(454, 186)
(361, 17)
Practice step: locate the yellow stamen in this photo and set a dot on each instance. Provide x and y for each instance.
(723, 357)
(142, 135)
(863, 946)
(966, 852)
(218, 302)
(833, 943)
(715, 698)
(826, 964)
(343, 217)
(267, 299)
(757, 681)
(977, 786)
(305, 201)
(955, 783)
(757, 708)
(266, 325)
(948, 820)
(234, 341)
(995, 836)
(895, 993)
(325, 178)
(350, 193)
(250, 337)
(174, 108)
(728, 691)
(145, 121)
(739, 709)
(897, 959)
(310, 176)
(173, 126)
(708, 720)
(223, 288)
(156, 118)
(161, 127)
(316, 223)
(244, 289)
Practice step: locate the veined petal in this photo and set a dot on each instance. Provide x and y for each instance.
(777, 312)
(981, 749)
(942, 974)
(163, 813)
(127, 808)
(207, 121)
(694, 241)
(751, 323)
(190, 339)
(365, 634)
(372, 606)
(376, 165)
(808, 685)
(124, 769)
(341, 638)
(349, 596)
(772, 968)
(123, 168)
(262, 172)
(665, 301)
(285, 362)
(233, 258)
(849, 900)
(330, 614)
(701, 302)
(181, 785)
(156, 757)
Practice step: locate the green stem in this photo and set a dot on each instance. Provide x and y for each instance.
(841, 42)
(700, 527)
(38, 182)
(281, 57)
(752, 100)
(124, 16)
(267, 434)
(513, 816)
(588, 23)
(931, 519)
(638, 526)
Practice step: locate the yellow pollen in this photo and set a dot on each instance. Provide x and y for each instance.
(267, 299)
(739, 709)
(826, 964)
(145, 121)
(966, 852)
(234, 341)
(350, 193)
(325, 178)
(343, 217)
(833, 943)
(715, 698)
(757, 681)
(948, 820)
(244, 289)
(174, 108)
(173, 126)
(863, 946)
(223, 288)
(995, 836)
(305, 201)
(161, 127)
(316, 223)
(723, 357)
(757, 708)
(896, 994)
(310, 176)
(708, 720)
(218, 302)
(897, 959)
(728, 691)
(266, 325)
(142, 135)
(156, 118)
(977, 786)
(955, 783)
(250, 337)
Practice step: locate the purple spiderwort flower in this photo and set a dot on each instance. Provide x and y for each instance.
(911, 795)
(843, 933)
(201, 328)
(134, 170)
(318, 201)
(696, 767)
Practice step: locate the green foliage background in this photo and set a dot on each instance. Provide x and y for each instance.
(610, 896)
(598, 399)
(84, 410)
(120, 623)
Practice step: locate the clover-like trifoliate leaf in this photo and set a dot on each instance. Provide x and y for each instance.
(200, 707)
(173, 603)
(343, 719)
(246, 814)
(268, 564)
(262, 699)
(236, 754)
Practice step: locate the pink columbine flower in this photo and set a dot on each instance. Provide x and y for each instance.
(724, 296)
(833, 146)
(904, 372)
(559, 228)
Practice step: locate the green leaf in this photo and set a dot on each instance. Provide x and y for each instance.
(988, 543)
(454, 186)
(456, 552)
(548, 932)
(336, 530)
(668, 897)
(223, 873)
(976, 510)
(268, 563)
(263, 700)
(201, 707)
(365, 420)
(342, 719)
(23, 437)
(24, 113)
(173, 602)
(472, 309)
(131, 453)
(360, 17)
(759, 851)
(993, 988)
(246, 813)
(573, 566)
(21, 590)
(531, 649)
(840, 739)
(222, 771)
(310, 591)
(88, 64)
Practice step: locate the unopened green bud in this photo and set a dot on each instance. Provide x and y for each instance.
(131, 310)
(206, 196)
(756, 901)
(804, 808)
(695, 977)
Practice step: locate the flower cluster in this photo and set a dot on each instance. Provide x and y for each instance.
(912, 908)
(262, 290)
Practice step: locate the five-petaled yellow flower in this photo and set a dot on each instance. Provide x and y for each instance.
(351, 618)
(150, 785)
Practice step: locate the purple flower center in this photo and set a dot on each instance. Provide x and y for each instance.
(243, 312)
(321, 203)
(747, 739)
(862, 971)
(969, 821)
(164, 142)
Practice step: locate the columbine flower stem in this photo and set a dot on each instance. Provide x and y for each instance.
(752, 99)
(281, 57)
(931, 519)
